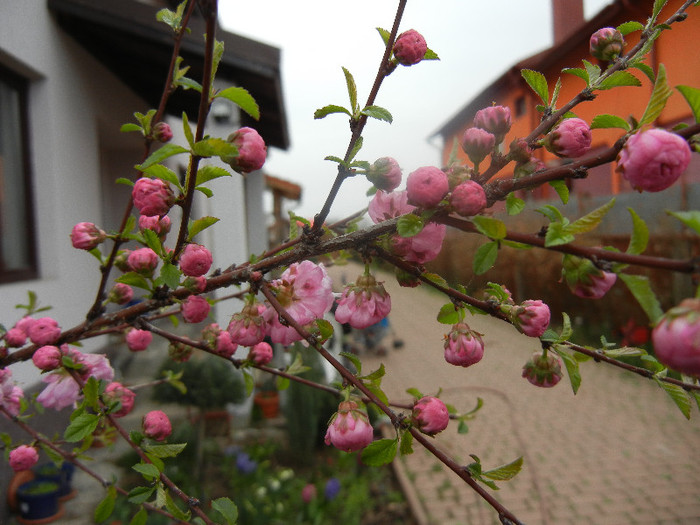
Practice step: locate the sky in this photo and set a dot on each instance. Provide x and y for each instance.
(475, 40)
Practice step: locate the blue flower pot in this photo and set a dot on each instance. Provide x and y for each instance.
(38, 500)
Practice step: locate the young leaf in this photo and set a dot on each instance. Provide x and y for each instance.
(680, 397)
(562, 190)
(485, 257)
(159, 155)
(641, 289)
(384, 34)
(209, 172)
(557, 234)
(577, 71)
(640, 234)
(187, 129)
(379, 452)
(161, 172)
(537, 82)
(140, 495)
(354, 360)
(124, 181)
(327, 110)
(106, 506)
(149, 470)
(658, 6)
(690, 218)
(592, 70)
(505, 472)
(619, 78)
(437, 279)
(409, 225)
(630, 27)
(352, 91)
(206, 191)
(215, 147)
(572, 367)
(170, 275)
(130, 126)
(165, 451)
(514, 205)
(227, 509)
(152, 240)
(356, 148)
(201, 224)
(591, 220)
(646, 69)
(609, 121)
(81, 427)
(448, 314)
(659, 96)
(692, 97)
(379, 113)
(555, 93)
(406, 446)
(492, 228)
(242, 99)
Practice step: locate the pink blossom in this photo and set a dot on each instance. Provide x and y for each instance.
(44, 331)
(86, 236)
(463, 346)
(606, 44)
(23, 457)
(349, 429)
(653, 160)
(247, 327)
(152, 196)
(531, 317)
(62, 390)
(252, 150)
(363, 303)
(195, 284)
(477, 143)
(195, 309)
(430, 415)
(143, 261)
(162, 132)
(676, 338)
(571, 138)
(116, 392)
(494, 119)
(597, 285)
(15, 337)
(385, 206)
(308, 493)
(261, 354)
(586, 280)
(423, 247)
(410, 48)
(25, 324)
(180, 352)
(47, 358)
(138, 340)
(468, 199)
(156, 425)
(305, 291)
(10, 394)
(120, 293)
(225, 345)
(385, 174)
(195, 260)
(543, 371)
(160, 225)
(427, 186)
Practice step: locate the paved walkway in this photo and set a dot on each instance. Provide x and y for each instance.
(619, 452)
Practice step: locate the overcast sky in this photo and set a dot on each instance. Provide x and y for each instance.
(476, 42)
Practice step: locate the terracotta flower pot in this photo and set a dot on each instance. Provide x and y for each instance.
(269, 403)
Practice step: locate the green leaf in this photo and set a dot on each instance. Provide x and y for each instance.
(379, 452)
(354, 360)
(297, 367)
(91, 391)
(124, 181)
(640, 234)
(384, 34)
(325, 329)
(227, 509)
(215, 147)
(161, 172)
(625, 351)
(577, 71)
(148, 470)
(209, 172)
(572, 367)
(140, 495)
(106, 506)
(679, 395)
(81, 427)
(140, 518)
(152, 241)
(159, 155)
(406, 446)
(333, 158)
(562, 190)
(130, 126)
(492, 228)
(172, 507)
(242, 99)
(690, 218)
(206, 191)
(537, 82)
(659, 96)
(692, 97)
(630, 27)
(437, 279)
(617, 79)
(505, 472)
(200, 224)
(609, 121)
(356, 148)
(591, 220)
(557, 234)
(514, 205)
(658, 6)
(485, 257)
(165, 451)
(409, 225)
(415, 393)
(592, 70)
(448, 314)
(170, 275)
(187, 130)
(249, 382)
(379, 113)
(641, 289)
(327, 110)
(555, 93)
(134, 279)
(646, 69)
(352, 91)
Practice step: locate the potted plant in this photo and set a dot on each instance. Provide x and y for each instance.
(267, 398)
(38, 501)
(62, 475)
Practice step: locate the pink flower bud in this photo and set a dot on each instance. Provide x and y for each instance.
(44, 331)
(15, 337)
(606, 44)
(349, 429)
(477, 143)
(531, 317)
(571, 138)
(261, 354)
(463, 346)
(10, 394)
(495, 120)
(385, 206)
(247, 328)
(117, 392)
(138, 340)
(363, 303)
(47, 358)
(152, 196)
(195, 284)
(427, 186)
(143, 261)
(468, 199)
(585, 279)
(423, 247)
(180, 352)
(308, 493)
(676, 338)
(385, 174)
(653, 160)
(410, 48)
(225, 345)
(86, 236)
(543, 371)
(120, 294)
(520, 151)
(195, 309)
(23, 457)
(162, 132)
(430, 415)
(252, 151)
(160, 225)
(156, 425)
(121, 261)
(195, 260)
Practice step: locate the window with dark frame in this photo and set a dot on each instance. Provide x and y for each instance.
(17, 232)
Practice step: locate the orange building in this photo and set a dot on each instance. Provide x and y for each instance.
(676, 49)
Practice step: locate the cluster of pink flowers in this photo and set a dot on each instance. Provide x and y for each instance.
(18, 334)
(160, 225)
(349, 429)
(10, 394)
(23, 457)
